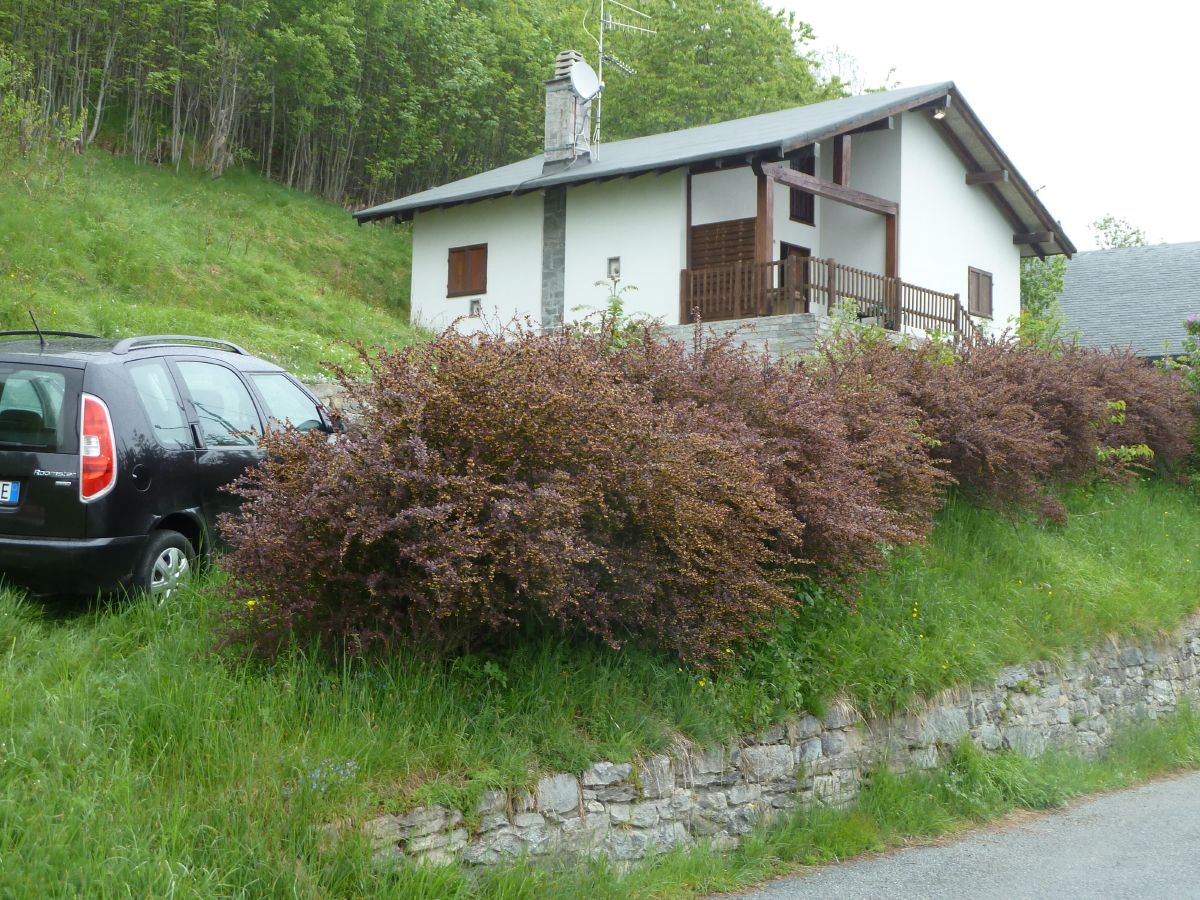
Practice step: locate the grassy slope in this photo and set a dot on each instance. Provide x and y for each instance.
(134, 760)
(118, 249)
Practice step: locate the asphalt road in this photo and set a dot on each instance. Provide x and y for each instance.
(1143, 842)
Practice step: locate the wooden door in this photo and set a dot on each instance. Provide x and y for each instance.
(794, 295)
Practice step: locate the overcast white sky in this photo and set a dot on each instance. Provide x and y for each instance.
(1098, 102)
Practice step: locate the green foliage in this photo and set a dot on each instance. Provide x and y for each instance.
(1041, 319)
(989, 591)
(119, 249)
(368, 99)
(711, 60)
(35, 140)
(616, 328)
(1187, 366)
(1111, 232)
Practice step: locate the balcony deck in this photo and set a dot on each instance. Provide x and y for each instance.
(743, 290)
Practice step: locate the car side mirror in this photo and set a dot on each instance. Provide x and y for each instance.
(331, 422)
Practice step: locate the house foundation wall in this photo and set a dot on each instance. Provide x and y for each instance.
(778, 335)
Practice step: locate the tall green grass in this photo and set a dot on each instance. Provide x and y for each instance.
(116, 248)
(989, 591)
(135, 761)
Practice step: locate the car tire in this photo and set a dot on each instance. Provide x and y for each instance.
(167, 563)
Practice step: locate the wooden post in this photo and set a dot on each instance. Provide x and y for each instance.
(737, 290)
(685, 296)
(764, 222)
(789, 284)
(891, 264)
(894, 289)
(841, 159)
(831, 298)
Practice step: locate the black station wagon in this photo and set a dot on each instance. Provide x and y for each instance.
(115, 455)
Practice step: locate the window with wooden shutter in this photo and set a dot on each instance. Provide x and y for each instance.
(804, 204)
(467, 271)
(979, 292)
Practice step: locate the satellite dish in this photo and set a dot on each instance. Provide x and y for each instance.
(584, 80)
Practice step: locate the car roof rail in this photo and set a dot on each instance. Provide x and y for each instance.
(168, 340)
(74, 334)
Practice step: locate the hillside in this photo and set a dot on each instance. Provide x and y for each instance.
(106, 246)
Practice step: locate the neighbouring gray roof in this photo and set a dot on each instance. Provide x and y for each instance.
(1133, 297)
(766, 136)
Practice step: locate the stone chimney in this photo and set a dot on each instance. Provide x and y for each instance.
(568, 116)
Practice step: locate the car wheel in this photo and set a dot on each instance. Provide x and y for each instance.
(166, 566)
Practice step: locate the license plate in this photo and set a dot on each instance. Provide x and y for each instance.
(10, 493)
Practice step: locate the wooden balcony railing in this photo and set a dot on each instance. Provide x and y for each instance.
(742, 290)
(747, 289)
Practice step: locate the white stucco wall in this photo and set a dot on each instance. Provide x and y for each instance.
(855, 237)
(640, 220)
(724, 195)
(947, 226)
(512, 229)
(733, 194)
(796, 232)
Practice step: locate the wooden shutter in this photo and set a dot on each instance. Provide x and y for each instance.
(979, 292)
(467, 270)
(477, 269)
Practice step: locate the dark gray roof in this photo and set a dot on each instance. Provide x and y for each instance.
(1133, 297)
(766, 136)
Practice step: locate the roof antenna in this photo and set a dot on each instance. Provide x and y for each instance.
(37, 328)
(608, 23)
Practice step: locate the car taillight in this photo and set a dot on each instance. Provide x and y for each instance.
(97, 450)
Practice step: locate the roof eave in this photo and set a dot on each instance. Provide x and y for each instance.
(774, 149)
(1016, 183)
(1015, 189)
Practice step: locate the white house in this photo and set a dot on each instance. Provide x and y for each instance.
(900, 200)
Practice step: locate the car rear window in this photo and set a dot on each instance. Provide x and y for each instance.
(155, 388)
(34, 412)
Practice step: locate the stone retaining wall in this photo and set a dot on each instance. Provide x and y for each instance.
(328, 392)
(631, 811)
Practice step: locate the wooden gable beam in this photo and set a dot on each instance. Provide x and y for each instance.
(1033, 237)
(994, 176)
(971, 165)
(784, 175)
(888, 123)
